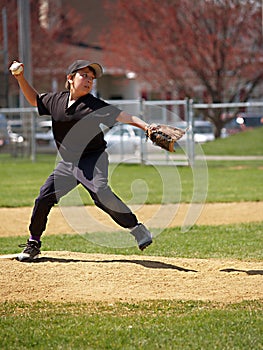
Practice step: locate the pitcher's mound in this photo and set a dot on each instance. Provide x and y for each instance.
(70, 277)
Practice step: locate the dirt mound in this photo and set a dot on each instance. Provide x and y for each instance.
(69, 277)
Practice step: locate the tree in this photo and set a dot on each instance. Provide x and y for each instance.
(212, 46)
(51, 35)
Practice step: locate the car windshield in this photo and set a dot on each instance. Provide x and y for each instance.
(138, 132)
(120, 132)
(203, 129)
(43, 129)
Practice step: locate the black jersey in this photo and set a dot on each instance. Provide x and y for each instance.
(76, 128)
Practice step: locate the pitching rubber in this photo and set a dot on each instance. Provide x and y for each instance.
(9, 256)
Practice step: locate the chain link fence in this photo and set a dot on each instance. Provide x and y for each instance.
(28, 134)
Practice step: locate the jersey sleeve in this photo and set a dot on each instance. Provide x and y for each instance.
(44, 104)
(106, 112)
(108, 115)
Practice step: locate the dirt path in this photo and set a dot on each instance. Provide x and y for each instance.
(14, 221)
(67, 276)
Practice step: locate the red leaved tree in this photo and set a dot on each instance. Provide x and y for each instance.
(53, 42)
(210, 48)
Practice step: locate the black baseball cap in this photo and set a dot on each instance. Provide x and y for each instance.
(79, 64)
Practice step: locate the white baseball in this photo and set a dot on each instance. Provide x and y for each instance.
(16, 68)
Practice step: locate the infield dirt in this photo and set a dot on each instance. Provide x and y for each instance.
(68, 276)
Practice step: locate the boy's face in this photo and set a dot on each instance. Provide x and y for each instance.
(82, 81)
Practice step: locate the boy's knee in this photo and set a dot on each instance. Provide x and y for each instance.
(49, 200)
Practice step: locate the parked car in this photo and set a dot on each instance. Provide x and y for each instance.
(203, 131)
(249, 120)
(123, 138)
(44, 134)
(4, 138)
(14, 129)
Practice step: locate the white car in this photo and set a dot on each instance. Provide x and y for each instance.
(3, 130)
(203, 131)
(15, 128)
(44, 135)
(123, 138)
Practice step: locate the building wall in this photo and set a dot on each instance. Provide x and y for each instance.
(112, 87)
(93, 16)
(113, 84)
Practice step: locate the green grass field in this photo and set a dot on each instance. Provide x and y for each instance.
(161, 324)
(21, 180)
(120, 326)
(247, 143)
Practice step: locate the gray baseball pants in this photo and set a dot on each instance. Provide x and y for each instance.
(92, 173)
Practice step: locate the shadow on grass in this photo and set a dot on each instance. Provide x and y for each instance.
(145, 263)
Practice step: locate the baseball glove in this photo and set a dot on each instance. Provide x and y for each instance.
(164, 136)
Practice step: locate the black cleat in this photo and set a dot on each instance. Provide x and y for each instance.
(31, 251)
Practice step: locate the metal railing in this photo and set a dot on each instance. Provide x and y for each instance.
(27, 117)
(171, 112)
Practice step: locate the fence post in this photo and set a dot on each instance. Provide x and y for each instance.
(33, 137)
(5, 54)
(143, 148)
(190, 146)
